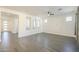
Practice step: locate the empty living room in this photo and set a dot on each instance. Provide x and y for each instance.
(39, 29)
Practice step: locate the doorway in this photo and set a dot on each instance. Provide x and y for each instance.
(9, 22)
(5, 25)
(9, 26)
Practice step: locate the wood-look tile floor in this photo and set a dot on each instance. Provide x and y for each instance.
(41, 42)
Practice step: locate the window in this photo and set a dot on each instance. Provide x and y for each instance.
(5, 24)
(68, 19)
(28, 23)
(33, 22)
(38, 23)
(38, 20)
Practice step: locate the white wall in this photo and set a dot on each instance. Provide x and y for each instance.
(58, 25)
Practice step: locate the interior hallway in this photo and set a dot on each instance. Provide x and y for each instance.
(41, 42)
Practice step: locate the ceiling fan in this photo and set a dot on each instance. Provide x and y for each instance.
(54, 11)
(49, 13)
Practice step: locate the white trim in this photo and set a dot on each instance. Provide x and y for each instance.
(0, 36)
(63, 34)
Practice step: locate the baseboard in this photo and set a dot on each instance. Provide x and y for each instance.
(25, 34)
(29, 33)
(62, 34)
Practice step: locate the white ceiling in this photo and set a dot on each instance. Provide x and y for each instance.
(43, 10)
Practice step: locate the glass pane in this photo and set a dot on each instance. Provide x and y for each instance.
(4, 22)
(34, 23)
(68, 19)
(4, 28)
(38, 23)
